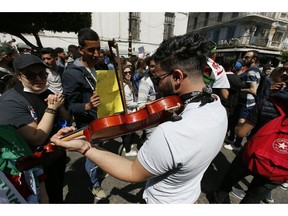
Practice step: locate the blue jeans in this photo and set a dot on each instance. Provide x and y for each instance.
(93, 171)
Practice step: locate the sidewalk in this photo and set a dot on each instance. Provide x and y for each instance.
(76, 188)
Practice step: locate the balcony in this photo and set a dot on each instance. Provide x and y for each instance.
(258, 41)
(250, 42)
(228, 18)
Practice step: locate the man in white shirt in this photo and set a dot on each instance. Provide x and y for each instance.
(54, 72)
(176, 155)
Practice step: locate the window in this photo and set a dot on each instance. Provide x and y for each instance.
(216, 34)
(206, 19)
(230, 32)
(195, 23)
(220, 17)
(169, 25)
(135, 25)
(235, 14)
(258, 31)
(283, 15)
(277, 39)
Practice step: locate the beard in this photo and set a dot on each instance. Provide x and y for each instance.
(167, 89)
(91, 61)
(247, 64)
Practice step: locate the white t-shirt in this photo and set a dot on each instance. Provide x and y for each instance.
(191, 143)
(54, 81)
(218, 74)
(146, 91)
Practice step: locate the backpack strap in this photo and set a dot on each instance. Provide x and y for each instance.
(280, 106)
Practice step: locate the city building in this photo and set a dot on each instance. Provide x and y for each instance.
(148, 29)
(236, 32)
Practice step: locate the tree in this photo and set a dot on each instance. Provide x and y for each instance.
(18, 24)
(284, 56)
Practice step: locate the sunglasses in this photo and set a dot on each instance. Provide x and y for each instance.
(33, 76)
(158, 80)
(46, 59)
(92, 50)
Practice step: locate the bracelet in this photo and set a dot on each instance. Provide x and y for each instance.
(86, 150)
(50, 110)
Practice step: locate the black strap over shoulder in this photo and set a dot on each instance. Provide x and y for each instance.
(205, 96)
(280, 105)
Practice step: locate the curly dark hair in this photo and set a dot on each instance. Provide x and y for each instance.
(187, 52)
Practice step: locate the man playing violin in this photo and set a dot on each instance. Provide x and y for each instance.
(175, 156)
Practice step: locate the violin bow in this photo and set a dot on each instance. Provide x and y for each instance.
(119, 76)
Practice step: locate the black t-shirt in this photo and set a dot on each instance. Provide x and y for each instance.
(234, 92)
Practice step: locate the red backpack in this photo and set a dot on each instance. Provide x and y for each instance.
(266, 153)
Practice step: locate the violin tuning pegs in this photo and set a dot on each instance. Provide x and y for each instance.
(112, 43)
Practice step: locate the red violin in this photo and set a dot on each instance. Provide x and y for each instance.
(116, 125)
(119, 124)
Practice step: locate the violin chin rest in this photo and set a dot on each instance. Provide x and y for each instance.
(174, 118)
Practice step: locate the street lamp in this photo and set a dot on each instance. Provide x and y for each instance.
(130, 35)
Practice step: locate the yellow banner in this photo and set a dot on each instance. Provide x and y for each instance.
(108, 90)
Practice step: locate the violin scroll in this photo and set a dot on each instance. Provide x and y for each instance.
(112, 43)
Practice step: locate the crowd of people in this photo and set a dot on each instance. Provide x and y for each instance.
(48, 94)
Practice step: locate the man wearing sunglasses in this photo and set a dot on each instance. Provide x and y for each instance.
(176, 155)
(250, 80)
(79, 83)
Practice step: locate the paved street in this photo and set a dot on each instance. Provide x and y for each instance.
(76, 188)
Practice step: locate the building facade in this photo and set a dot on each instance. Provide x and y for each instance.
(236, 32)
(148, 29)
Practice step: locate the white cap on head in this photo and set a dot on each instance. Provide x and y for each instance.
(23, 46)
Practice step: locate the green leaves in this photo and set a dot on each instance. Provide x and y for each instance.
(33, 23)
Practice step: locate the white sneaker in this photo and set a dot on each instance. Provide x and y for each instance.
(269, 199)
(240, 194)
(284, 186)
(231, 147)
(99, 193)
(131, 153)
